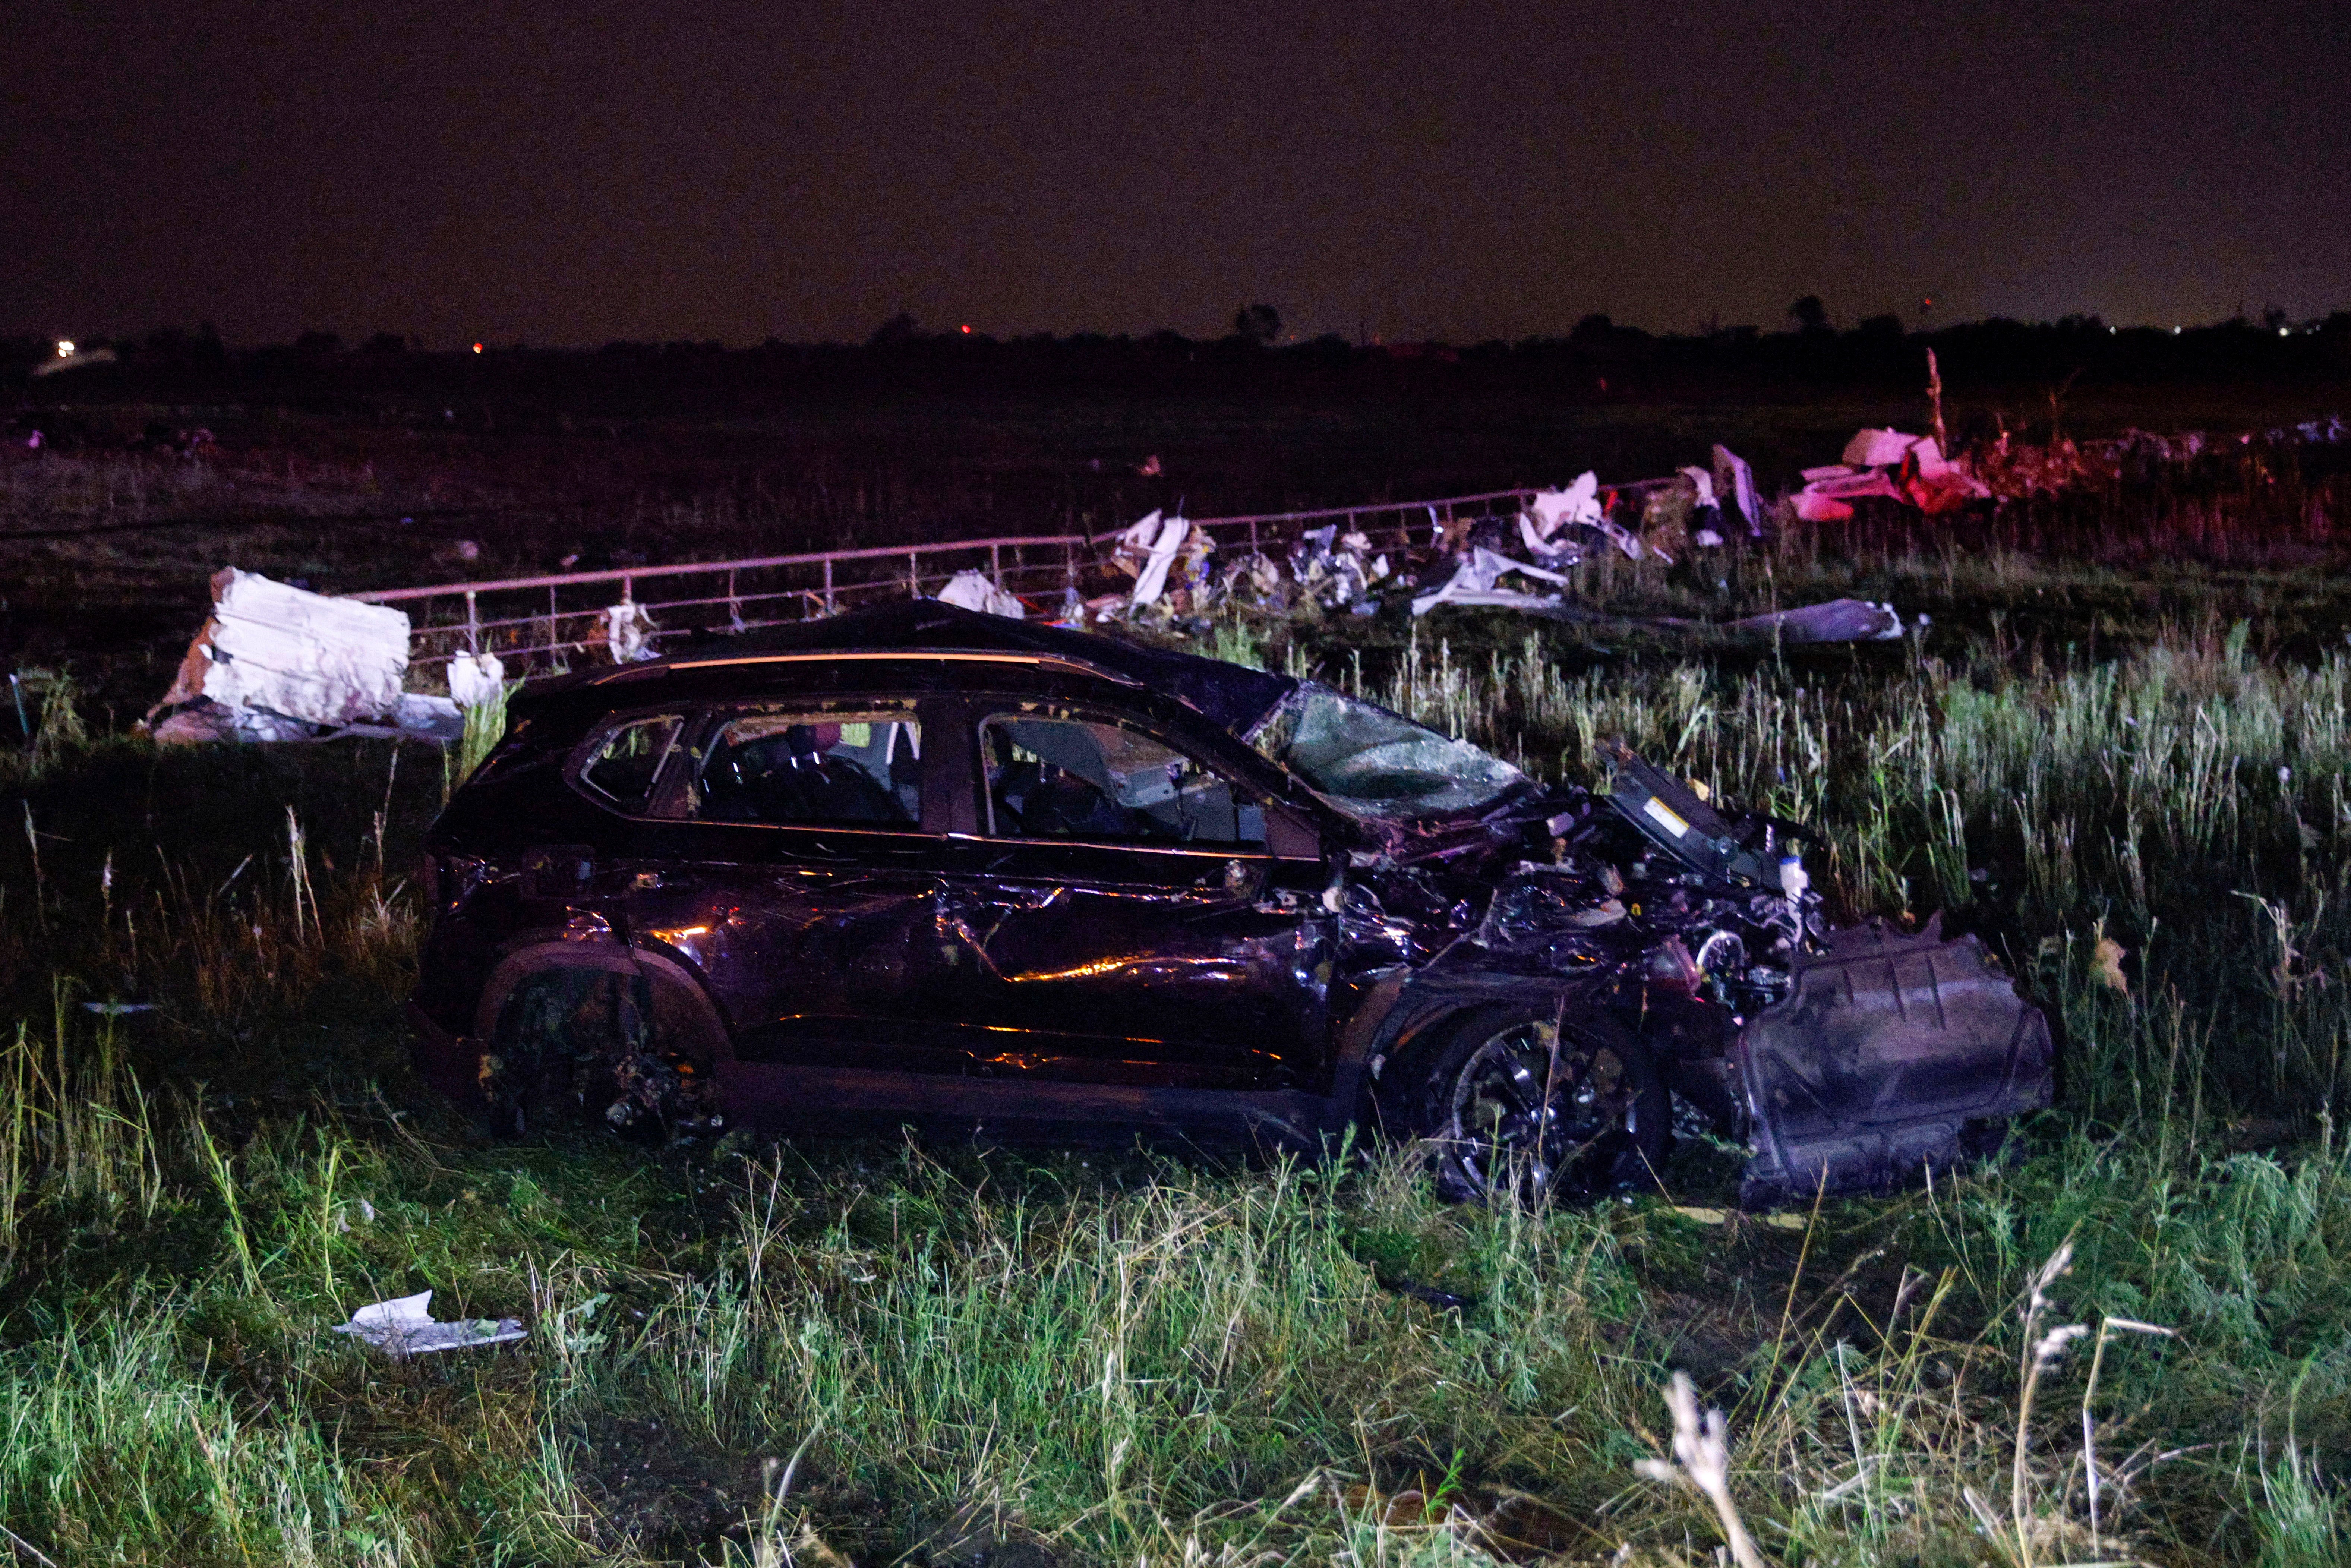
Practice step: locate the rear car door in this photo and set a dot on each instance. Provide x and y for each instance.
(1119, 918)
(788, 863)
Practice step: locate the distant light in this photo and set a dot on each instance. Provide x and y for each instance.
(2174, 332)
(65, 347)
(2112, 330)
(477, 348)
(966, 329)
(2283, 332)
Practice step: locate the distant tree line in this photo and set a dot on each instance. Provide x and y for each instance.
(1597, 359)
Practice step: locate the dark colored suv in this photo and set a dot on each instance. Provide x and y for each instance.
(917, 863)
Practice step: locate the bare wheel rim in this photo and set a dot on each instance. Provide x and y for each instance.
(1537, 1113)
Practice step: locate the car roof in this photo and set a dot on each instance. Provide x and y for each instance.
(1233, 696)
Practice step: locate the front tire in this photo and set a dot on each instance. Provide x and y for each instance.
(1512, 1102)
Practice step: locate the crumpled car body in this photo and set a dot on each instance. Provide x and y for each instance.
(917, 863)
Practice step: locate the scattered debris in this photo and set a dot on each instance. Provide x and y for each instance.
(1159, 540)
(475, 679)
(278, 663)
(1888, 462)
(1473, 582)
(971, 590)
(405, 1326)
(629, 633)
(1735, 479)
(1336, 572)
(1578, 506)
(1838, 621)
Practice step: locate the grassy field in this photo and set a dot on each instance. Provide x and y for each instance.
(2118, 751)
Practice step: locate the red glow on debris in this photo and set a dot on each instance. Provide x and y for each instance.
(967, 328)
(477, 348)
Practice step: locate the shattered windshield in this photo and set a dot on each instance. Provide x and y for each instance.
(1370, 762)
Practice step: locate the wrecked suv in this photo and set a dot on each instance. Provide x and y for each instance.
(918, 862)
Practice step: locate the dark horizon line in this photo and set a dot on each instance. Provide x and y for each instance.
(1592, 330)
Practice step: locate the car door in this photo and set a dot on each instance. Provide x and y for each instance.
(787, 862)
(1119, 918)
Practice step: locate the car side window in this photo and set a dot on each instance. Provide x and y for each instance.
(1106, 783)
(620, 767)
(803, 766)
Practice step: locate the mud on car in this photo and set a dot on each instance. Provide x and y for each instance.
(915, 862)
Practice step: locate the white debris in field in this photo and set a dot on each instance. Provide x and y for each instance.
(1735, 481)
(475, 679)
(1153, 576)
(1578, 504)
(1557, 553)
(971, 590)
(405, 1326)
(278, 663)
(1577, 507)
(629, 633)
(1474, 583)
(273, 647)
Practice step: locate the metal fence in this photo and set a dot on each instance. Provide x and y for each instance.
(534, 624)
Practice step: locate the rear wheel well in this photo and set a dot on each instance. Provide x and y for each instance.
(610, 1043)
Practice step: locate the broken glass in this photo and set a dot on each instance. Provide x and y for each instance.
(1372, 763)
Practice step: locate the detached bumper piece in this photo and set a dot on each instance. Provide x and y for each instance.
(1890, 1054)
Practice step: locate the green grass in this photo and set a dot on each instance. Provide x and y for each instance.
(1155, 1356)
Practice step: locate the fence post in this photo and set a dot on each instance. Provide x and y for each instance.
(473, 625)
(828, 585)
(913, 578)
(734, 603)
(996, 565)
(550, 624)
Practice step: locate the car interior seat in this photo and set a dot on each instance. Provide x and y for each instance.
(788, 777)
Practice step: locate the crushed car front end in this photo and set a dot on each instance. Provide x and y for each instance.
(1684, 946)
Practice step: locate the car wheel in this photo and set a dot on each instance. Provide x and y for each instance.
(1511, 1101)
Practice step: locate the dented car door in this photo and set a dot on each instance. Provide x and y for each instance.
(1119, 917)
(792, 869)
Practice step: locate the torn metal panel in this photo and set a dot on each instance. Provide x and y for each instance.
(1887, 1053)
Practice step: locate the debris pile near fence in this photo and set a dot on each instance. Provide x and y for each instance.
(535, 622)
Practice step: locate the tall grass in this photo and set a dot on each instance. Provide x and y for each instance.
(1140, 1357)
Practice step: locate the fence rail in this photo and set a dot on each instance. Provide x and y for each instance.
(507, 616)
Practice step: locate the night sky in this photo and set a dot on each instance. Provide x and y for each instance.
(572, 174)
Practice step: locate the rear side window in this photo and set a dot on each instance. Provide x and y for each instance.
(843, 769)
(1106, 783)
(622, 767)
